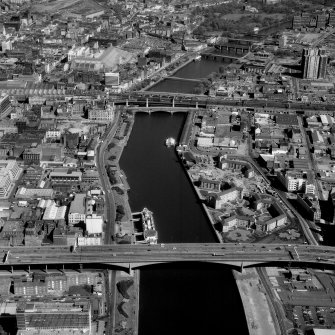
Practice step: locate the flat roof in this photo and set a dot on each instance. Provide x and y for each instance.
(66, 174)
(320, 331)
(78, 204)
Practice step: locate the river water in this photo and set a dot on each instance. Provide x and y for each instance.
(191, 298)
(158, 181)
(194, 70)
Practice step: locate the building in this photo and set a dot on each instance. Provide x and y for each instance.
(310, 22)
(274, 217)
(322, 331)
(33, 317)
(314, 63)
(310, 205)
(91, 176)
(13, 231)
(94, 224)
(77, 212)
(84, 241)
(209, 184)
(56, 283)
(63, 175)
(7, 127)
(294, 181)
(28, 287)
(32, 155)
(5, 105)
(112, 79)
(271, 2)
(101, 114)
(218, 200)
(33, 193)
(236, 165)
(236, 221)
(9, 173)
(297, 181)
(54, 213)
(53, 134)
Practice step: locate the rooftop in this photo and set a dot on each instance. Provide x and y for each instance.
(78, 204)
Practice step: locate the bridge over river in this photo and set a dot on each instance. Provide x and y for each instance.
(135, 256)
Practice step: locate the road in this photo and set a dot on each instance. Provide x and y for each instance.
(101, 166)
(277, 314)
(138, 255)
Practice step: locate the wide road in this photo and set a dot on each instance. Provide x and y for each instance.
(101, 166)
(137, 255)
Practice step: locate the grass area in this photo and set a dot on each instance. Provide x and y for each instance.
(123, 287)
(232, 19)
(261, 16)
(126, 302)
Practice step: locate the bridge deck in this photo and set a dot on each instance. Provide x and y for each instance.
(161, 253)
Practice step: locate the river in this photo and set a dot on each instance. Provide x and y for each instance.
(194, 70)
(189, 298)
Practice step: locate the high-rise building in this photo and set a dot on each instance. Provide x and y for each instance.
(314, 63)
(5, 105)
(322, 64)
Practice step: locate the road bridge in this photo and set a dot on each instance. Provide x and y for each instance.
(197, 80)
(170, 110)
(189, 100)
(127, 257)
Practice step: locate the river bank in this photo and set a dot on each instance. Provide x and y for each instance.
(197, 192)
(127, 302)
(255, 303)
(126, 308)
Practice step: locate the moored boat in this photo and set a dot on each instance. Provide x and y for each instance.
(149, 230)
(170, 142)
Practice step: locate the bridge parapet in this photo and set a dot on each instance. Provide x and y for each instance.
(125, 256)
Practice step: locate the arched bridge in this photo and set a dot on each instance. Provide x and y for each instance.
(136, 256)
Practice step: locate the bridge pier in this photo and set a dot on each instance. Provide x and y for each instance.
(172, 102)
(147, 102)
(196, 105)
(127, 103)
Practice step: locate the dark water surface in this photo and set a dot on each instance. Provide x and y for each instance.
(199, 69)
(174, 86)
(187, 298)
(158, 181)
(194, 70)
